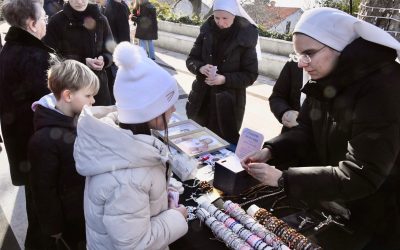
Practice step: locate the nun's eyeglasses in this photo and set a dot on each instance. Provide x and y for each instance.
(305, 57)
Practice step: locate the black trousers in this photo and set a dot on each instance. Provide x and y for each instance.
(36, 240)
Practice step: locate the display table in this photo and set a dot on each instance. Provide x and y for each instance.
(318, 225)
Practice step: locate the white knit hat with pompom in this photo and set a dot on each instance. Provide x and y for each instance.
(142, 89)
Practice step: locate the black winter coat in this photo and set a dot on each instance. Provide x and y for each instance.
(146, 22)
(118, 17)
(224, 103)
(286, 92)
(80, 35)
(352, 119)
(56, 186)
(24, 61)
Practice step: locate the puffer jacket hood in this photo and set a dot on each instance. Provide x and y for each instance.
(107, 147)
(48, 101)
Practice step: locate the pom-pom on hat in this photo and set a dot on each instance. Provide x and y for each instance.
(142, 89)
(338, 29)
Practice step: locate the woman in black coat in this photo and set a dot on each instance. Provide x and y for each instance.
(24, 61)
(144, 14)
(80, 32)
(284, 101)
(351, 120)
(218, 96)
(23, 79)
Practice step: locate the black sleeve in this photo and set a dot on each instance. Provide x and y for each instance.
(194, 61)
(279, 99)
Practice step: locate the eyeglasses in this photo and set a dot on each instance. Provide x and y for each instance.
(305, 58)
(45, 18)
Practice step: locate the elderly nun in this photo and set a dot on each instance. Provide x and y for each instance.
(224, 60)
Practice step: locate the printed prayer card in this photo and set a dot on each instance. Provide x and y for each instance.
(250, 141)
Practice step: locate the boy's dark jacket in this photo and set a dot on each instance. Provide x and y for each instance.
(56, 186)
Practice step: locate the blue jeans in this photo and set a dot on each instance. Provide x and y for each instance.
(148, 46)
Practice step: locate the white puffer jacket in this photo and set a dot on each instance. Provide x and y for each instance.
(126, 204)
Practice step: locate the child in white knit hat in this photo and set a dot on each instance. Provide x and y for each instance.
(126, 168)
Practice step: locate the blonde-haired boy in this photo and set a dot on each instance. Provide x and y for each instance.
(56, 186)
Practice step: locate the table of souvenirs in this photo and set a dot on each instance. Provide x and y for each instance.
(260, 217)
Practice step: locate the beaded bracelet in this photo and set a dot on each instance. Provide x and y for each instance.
(205, 187)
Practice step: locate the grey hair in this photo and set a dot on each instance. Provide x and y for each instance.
(17, 12)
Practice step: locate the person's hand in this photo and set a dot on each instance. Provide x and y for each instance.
(99, 62)
(95, 63)
(218, 80)
(90, 62)
(182, 209)
(257, 157)
(289, 118)
(207, 70)
(264, 173)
